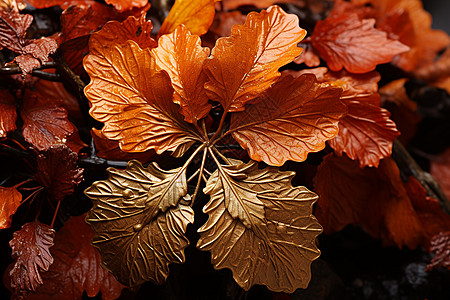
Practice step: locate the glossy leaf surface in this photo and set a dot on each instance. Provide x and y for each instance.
(260, 227)
(246, 63)
(139, 225)
(122, 5)
(8, 114)
(290, 120)
(10, 200)
(181, 55)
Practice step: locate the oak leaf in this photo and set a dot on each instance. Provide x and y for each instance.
(181, 55)
(138, 222)
(134, 100)
(291, 119)
(345, 41)
(44, 123)
(76, 267)
(10, 200)
(196, 15)
(13, 28)
(8, 114)
(260, 227)
(57, 172)
(30, 249)
(440, 245)
(246, 63)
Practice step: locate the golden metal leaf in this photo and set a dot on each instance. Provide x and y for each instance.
(260, 227)
(138, 222)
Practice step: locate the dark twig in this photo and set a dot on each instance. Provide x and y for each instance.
(409, 167)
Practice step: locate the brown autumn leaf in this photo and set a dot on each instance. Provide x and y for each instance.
(246, 63)
(30, 250)
(138, 221)
(109, 149)
(234, 4)
(134, 100)
(196, 15)
(291, 119)
(309, 56)
(44, 122)
(8, 114)
(13, 28)
(181, 55)
(260, 227)
(62, 3)
(345, 41)
(122, 5)
(440, 245)
(10, 200)
(374, 198)
(76, 267)
(57, 172)
(366, 133)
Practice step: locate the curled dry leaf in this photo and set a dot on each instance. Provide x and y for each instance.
(196, 15)
(8, 114)
(30, 249)
(134, 100)
(10, 200)
(291, 119)
(57, 172)
(345, 41)
(138, 222)
(76, 267)
(440, 245)
(260, 227)
(44, 122)
(13, 28)
(246, 63)
(181, 55)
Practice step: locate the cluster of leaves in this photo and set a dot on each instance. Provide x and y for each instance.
(220, 106)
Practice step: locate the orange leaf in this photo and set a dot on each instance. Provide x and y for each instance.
(10, 200)
(196, 15)
(8, 113)
(290, 120)
(345, 41)
(373, 198)
(122, 5)
(246, 63)
(181, 55)
(76, 267)
(44, 123)
(135, 101)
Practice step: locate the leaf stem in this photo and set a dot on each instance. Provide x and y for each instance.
(199, 177)
(222, 156)
(55, 214)
(32, 195)
(22, 183)
(219, 129)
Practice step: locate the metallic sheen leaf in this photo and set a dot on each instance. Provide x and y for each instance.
(10, 200)
(134, 100)
(196, 15)
(246, 63)
(181, 55)
(138, 223)
(8, 114)
(290, 120)
(275, 249)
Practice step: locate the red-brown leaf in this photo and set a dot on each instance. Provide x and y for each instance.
(181, 55)
(290, 120)
(10, 200)
(57, 171)
(44, 123)
(8, 113)
(122, 5)
(440, 245)
(13, 28)
(246, 63)
(345, 41)
(76, 267)
(30, 249)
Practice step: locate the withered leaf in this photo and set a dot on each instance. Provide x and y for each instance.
(345, 41)
(260, 227)
(134, 100)
(246, 63)
(138, 223)
(76, 267)
(8, 114)
(122, 5)
(44, 122)
(13, 29)
(181, 55)
(196, 15)
(30, 249)
(57, 171)
(10, 200)
(440, 245)
(290, 120)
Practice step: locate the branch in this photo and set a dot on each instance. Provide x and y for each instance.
(409, 167)
(12, 69)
